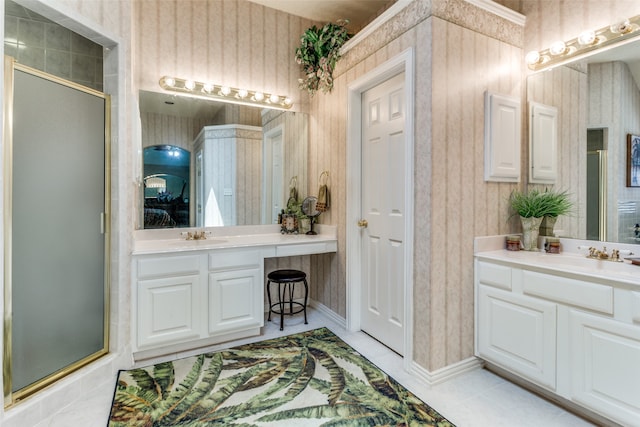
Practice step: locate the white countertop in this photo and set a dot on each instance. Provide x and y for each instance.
(170, 241)
(575, 263)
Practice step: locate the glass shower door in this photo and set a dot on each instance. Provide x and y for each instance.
(57, 234)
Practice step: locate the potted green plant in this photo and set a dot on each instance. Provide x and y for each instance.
(557, 203)
(531, 207)
(318, 54)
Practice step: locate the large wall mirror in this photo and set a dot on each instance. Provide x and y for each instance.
(209, 163)
(598, 104)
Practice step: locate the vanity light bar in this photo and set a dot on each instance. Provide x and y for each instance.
(561, 52)
(225, 93)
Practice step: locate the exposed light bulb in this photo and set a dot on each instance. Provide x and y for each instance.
(169, 82)
(621, 27)
(532, 57)
(274, 99)
(225, 90)
(258, 96)
(558, 48)
(287, 101)
(242, 93)
(207, 87)
(190, 85)
(587, 37)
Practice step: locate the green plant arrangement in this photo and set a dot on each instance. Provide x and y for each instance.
(532, 204)
(557, 203)
(318, 54)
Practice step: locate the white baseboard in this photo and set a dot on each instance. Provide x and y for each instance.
(341, 321)
(446, 373)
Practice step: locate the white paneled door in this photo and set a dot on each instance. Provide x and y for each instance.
(383, 216)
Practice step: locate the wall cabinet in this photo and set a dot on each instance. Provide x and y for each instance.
(576, 337)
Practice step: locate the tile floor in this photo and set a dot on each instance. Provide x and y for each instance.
(477, 399)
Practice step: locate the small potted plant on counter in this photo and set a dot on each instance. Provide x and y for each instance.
(531, 207)
(557, 203)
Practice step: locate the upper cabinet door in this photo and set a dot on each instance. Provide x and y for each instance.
(502, 138)
(543, 144)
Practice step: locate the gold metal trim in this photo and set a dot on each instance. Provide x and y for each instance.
(10, 397)
(7, 366)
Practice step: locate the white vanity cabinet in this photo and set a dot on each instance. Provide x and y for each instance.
(236, 292)
(516, 331)
(574, 335)
(169, 299)
(605, 368)
(198, 298)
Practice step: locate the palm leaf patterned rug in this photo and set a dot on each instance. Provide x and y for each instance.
(307, 379)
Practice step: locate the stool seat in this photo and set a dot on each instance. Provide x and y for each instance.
(286, 280)
(286, 276)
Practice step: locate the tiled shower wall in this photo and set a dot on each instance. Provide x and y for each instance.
(39, 43)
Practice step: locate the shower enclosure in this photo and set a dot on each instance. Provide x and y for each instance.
(56, 181)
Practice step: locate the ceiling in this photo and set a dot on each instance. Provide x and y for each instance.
(358, 12)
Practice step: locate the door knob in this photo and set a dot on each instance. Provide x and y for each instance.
(363, 223)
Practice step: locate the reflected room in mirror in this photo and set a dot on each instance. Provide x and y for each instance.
(598, 104)
(166, 186)
(208, 163)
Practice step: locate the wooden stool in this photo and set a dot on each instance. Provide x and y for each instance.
(286, 280)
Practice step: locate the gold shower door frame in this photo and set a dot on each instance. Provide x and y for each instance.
(12, 397)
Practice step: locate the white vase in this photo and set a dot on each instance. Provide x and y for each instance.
(530, 232)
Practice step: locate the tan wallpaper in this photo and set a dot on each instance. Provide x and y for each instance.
(454, 67)
(233, 42)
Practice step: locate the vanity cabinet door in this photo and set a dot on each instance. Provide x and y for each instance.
(235, 300)
(517, 333)
(605, 368)
(168, 310)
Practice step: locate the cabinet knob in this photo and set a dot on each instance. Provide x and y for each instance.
(363, 223)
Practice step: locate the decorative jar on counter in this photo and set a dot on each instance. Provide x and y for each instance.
(513, 242)
(552, 245)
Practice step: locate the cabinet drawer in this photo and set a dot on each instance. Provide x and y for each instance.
(496, 275)
(305, 249)
(573, 292)
(168, 266)
(234, 259)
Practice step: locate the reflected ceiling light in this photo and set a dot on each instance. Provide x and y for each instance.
(225, 93)
(561, 52)
(621, 27)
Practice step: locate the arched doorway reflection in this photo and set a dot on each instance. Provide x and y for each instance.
(166, 186)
